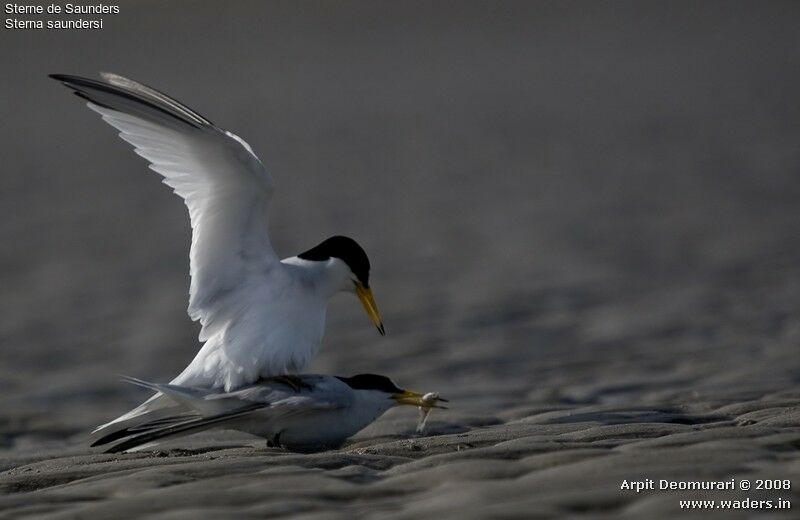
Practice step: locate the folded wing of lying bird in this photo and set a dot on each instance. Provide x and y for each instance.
(302, 413)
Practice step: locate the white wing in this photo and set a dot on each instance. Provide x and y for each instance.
(222, 182)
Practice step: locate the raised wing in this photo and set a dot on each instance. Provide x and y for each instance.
(222, 182)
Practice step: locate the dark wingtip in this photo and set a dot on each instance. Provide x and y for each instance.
(131, 91)
(381, 330)
(64, 78)
(111, 437)
(114, 449)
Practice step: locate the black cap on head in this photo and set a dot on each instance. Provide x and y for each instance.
(345, 249)
(372, 382)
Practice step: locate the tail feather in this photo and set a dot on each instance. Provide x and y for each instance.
(158, 407)
(141, 382)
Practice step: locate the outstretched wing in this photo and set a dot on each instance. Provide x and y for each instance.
(222, 182)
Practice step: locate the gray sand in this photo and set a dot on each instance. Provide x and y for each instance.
(583, 221)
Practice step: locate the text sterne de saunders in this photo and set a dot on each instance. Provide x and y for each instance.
(57, 9)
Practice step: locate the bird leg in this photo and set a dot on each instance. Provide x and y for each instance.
(275, 442)
(294, 382)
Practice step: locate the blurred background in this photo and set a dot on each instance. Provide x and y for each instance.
(563, 201)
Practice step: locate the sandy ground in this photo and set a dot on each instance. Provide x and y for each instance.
(583, 224)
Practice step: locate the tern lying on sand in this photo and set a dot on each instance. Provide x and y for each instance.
(303, 413)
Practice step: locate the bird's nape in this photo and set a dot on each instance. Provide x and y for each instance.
(355, 258)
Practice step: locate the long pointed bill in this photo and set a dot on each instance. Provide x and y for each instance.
(417, 399)
(365, 295)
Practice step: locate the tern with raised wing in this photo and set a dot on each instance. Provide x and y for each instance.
(260, 316)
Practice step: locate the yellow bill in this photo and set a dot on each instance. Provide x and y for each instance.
(368, 301)
(412, 398)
